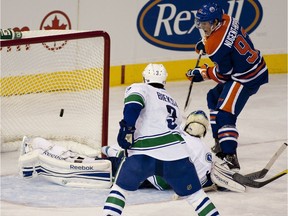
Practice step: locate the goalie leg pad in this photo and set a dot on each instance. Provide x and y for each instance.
(93, 175)
(29, 164)
(224, 178)
(88, 175)
(57, 164)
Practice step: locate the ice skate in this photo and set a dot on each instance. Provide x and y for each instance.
(231, 160)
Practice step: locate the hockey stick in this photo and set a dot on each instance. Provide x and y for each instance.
(255, 184)
(261, 173)
(191, 83)
(248, 179)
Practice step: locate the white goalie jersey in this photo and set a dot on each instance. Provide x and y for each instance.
(200, 156)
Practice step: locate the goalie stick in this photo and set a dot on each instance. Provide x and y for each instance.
(255, 184)
(245, 181)
(261, 173)
(248, 179)
(191, 83)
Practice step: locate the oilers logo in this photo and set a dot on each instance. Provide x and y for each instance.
(170, 24)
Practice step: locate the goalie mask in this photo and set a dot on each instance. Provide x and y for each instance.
(155, 73)
(196, 123)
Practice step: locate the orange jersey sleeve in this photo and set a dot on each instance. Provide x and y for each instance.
(214, 40)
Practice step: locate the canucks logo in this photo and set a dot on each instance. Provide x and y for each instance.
(208, 157)
(170, 24)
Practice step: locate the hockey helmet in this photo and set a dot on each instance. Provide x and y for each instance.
(208, 13)
(155, 73)
(197, 123)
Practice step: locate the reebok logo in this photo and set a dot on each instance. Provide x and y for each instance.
(81, 167)
(220, 179)
(52, 155)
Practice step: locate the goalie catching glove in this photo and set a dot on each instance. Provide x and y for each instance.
(125, 136)
(198, 74)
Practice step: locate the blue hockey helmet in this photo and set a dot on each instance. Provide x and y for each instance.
(208, 13)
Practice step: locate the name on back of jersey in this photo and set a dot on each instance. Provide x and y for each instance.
(166, 98)
(233, 31)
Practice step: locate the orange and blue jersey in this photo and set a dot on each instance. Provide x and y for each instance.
(234, 55)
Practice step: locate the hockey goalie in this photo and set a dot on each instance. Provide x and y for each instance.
(80, 166)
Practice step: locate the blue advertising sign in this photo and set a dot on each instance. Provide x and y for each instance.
(170, 24)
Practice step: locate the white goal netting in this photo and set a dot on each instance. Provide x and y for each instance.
(55, 84)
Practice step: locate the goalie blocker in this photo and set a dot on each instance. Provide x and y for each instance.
(223, 177)
(59, 165)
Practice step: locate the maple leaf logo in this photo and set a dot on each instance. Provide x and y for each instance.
(55, 25)
(55, 20)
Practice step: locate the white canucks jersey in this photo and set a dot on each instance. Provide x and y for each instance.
(158, 132)
(200, 155)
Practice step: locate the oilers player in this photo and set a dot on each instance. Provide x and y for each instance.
(239, 69)
(150, 131)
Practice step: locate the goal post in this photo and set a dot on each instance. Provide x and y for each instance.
(55, 84)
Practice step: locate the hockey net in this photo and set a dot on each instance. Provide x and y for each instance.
(55, 84)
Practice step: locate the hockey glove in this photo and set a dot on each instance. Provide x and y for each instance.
(198, 74)
(125, 136)
(200, 46)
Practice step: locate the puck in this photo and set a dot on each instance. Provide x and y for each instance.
(61, 112)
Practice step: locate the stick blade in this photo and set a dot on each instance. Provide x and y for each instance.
(257, 175)
(255, 184)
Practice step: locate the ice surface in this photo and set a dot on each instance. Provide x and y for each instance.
(262, 127)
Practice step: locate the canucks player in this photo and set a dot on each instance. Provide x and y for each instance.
(239, 69)
(150, 131)
(211, 178)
